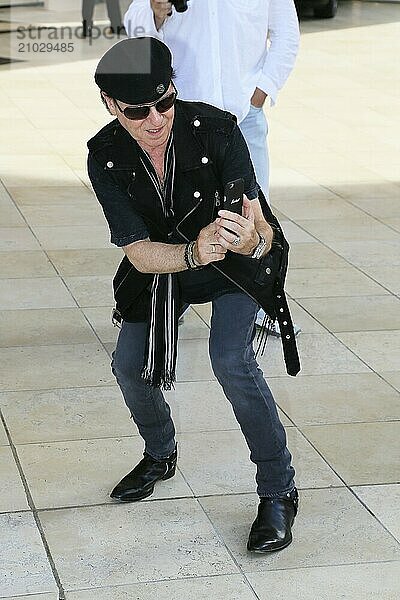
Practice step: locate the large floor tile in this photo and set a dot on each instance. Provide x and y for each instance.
(204, 311)
(13, 496)
(361, 453)
(373, 253)
(331, 528)
(204, 407)
(294, 234)
(86, 262)
(344, 398)
(25, 264)
(10, 215)
(311, 470)
(375, 581)
(227, 467)
(303, 319)
(223, 587)
(392, 377)
(386, 207)
(200, 407)
(84, 472)
(51, 596)
(315, 256)
(91, 291)
(41, 292)
(322, 283)
(100, 319)
(60, 176)
(44, 367)
(384, 502)
(66, 414)
(389, 277)
(24, 568)
(193, 327)
(193, 361)
(44, 326)
(379, 351)
(76, 237)
(320, 354)
(362, 313)
(3, 436)
(57, 215)
(103, 546)
(13, 239)
(224, 469)
(43, 196)
(316, 208)
(362, 228)
(393, 222)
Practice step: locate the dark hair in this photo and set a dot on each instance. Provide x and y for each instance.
(102, 92)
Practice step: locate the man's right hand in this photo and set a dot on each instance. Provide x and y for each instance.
(207, 249)
(161, 10)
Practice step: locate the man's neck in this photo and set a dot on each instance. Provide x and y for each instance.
(156, 154)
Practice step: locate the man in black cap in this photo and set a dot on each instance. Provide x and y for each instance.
(159, 171)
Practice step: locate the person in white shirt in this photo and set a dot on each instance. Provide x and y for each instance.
(233, 54)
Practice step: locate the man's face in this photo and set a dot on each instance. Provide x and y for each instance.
(151, 132)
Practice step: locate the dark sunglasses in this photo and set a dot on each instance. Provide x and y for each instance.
(141, 112)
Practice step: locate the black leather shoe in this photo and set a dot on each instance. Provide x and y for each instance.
(272, 529)
(139, 483)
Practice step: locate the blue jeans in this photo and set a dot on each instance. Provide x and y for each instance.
(255, 129)
(236, 369)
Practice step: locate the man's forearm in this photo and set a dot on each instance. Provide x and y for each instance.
(156, 257)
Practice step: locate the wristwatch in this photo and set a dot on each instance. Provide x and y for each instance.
(260, 248)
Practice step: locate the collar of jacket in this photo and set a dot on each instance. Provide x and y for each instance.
(122, 151)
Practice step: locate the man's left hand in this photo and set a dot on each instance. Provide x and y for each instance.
(237, 233)
(258, 98)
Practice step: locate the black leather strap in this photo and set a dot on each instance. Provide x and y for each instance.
(288, 337)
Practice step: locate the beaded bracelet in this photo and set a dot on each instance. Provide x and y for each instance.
(189, 257)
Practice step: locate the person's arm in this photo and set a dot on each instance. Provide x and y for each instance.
(156, 257)
(146, 18)
(237, 164)
(284, 36)
(129, 232)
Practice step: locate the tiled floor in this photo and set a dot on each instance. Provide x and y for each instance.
(66, 438)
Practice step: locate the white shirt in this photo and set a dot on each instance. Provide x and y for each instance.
(220, 50)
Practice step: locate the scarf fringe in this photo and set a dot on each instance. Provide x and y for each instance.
(159, 379)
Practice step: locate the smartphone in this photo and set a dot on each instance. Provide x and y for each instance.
(233, 198)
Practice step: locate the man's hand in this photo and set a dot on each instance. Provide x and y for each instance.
(238, 233)
(161, 10)
(207, 249)
(258, 98)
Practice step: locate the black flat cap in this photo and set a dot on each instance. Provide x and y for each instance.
(135, 71)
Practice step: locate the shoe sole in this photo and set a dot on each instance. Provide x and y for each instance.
(271, 550)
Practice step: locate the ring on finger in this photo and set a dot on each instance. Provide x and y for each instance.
(213, 248)
(236, 241)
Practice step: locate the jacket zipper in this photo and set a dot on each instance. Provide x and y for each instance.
(186, 216)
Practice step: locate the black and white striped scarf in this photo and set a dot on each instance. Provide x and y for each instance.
(162, 339)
